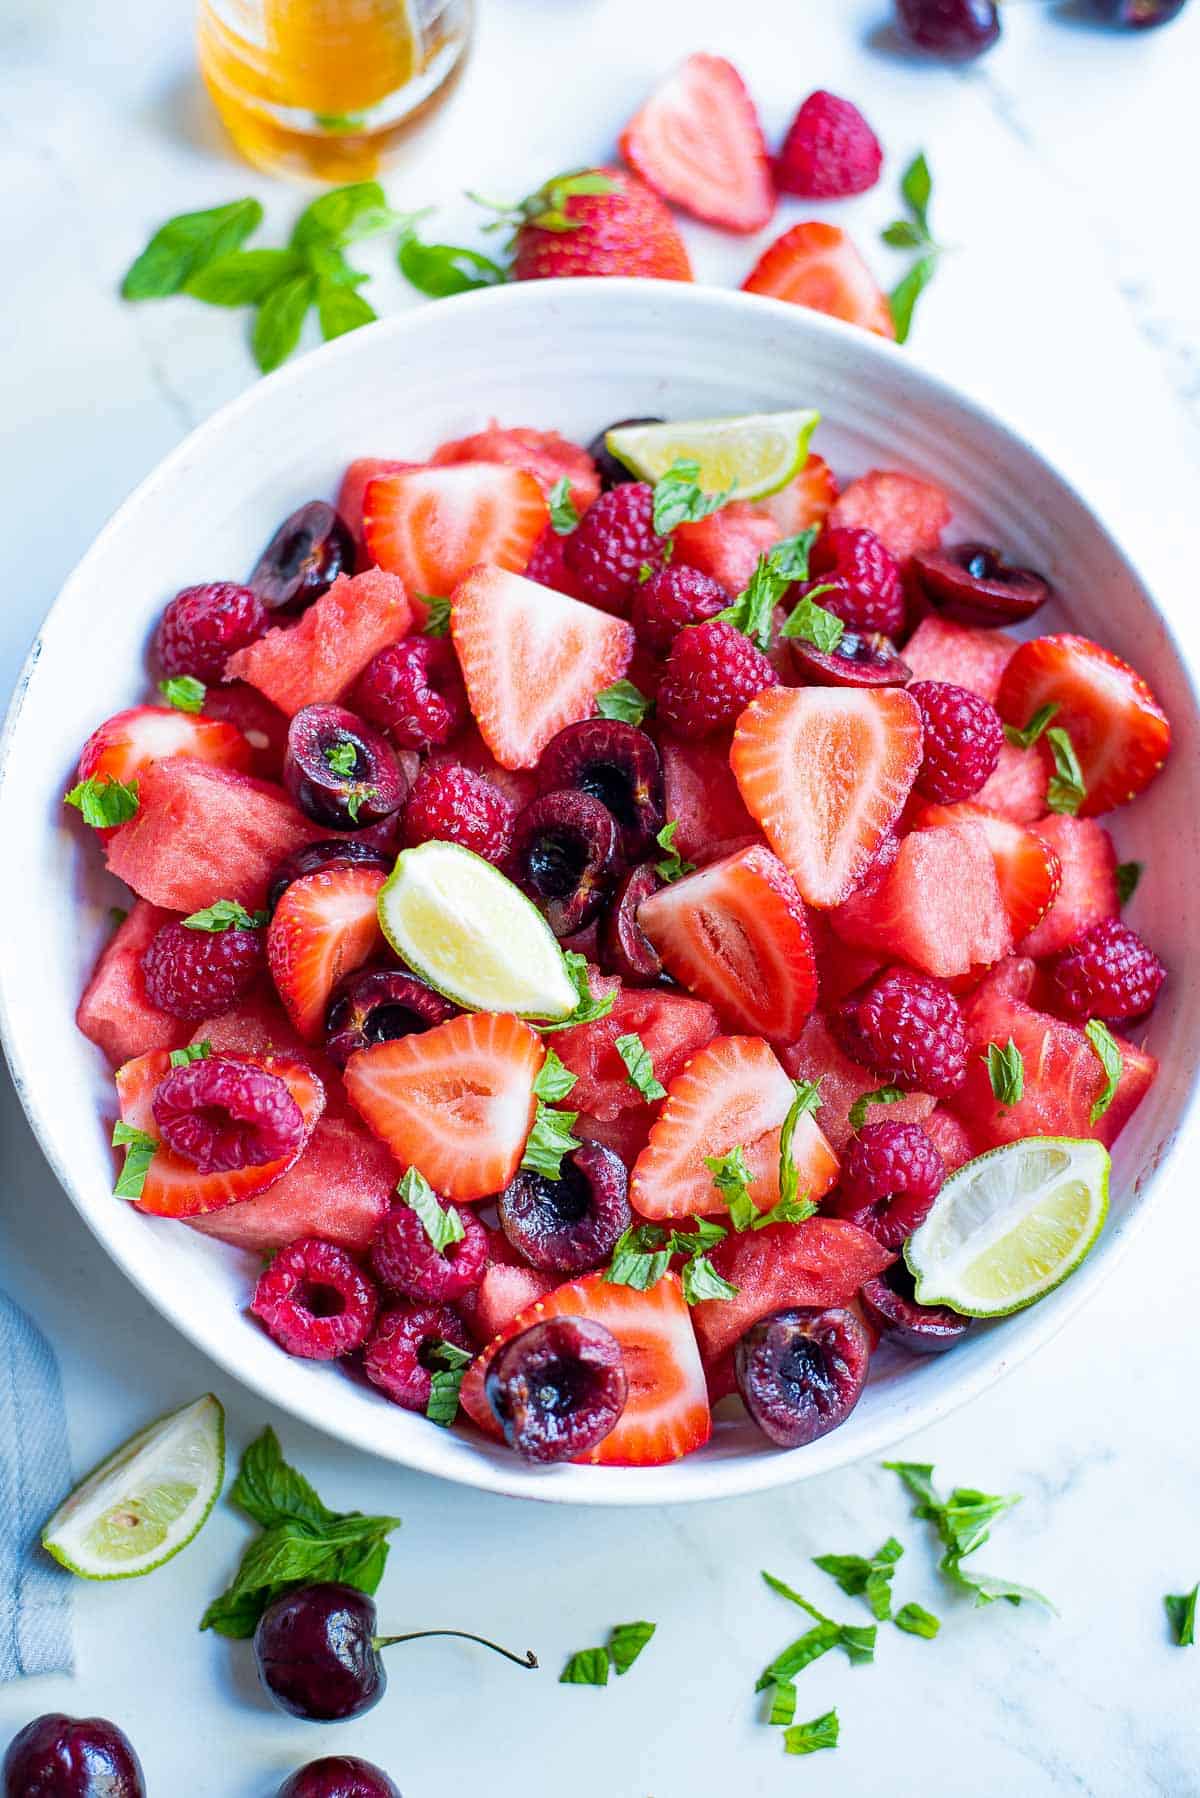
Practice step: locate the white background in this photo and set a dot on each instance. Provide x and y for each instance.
(1065, 168)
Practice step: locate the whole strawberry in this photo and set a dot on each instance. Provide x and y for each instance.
(829, 151)
(595, 222)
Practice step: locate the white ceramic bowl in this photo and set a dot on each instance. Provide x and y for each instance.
(572, 356)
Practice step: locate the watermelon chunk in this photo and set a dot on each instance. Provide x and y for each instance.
(202, 833)
(840, 967)
(949, 1136)
(114, 1012)
(701, 793)
(939, 649)
(727, 544)
(816, 1056)
(505, 1290)
(671, 1027)
(937, 906)
(340, 1189)
(1088, 892)
(1017, 786)
(625, 1135)
(908, 513)
(315, 661)
(822, 1261)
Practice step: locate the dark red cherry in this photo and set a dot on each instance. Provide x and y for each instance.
(802, 1371)
(975, 585)
(563, 855)
(304, 558)
(614, 473)
(558, 1389)
(72, 1757)
(341, 771)
(861, 659)
(955, 30)
(376, 1005)
(617, 764)
(339, 1776)
(625, 949)
(889, 1304)
(569, 1225)
(1138, 15)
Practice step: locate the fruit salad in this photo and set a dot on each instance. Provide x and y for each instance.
(625, 928)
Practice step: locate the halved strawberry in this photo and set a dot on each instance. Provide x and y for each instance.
(697, 142)
(733, 1094)
(128, 743)
(430, 525)
(545, 455)
(1087, 891)
(666, 1414)
(736, 934)
(806, 499)
(352, 491)
(457, 1102)
(325, 925)
(822, 1261)
(826, 772)
(1027, 866)
(908, 513)
(533, 660)
(1119, 731)
(816, 265)
(175, 1187)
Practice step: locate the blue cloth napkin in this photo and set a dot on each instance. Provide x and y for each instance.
(35, 1476)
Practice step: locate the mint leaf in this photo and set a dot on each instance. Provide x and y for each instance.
(1006, 1071)
(279, 321)
(588, 1667)
(811, 1737)
(903, 298)
(883, 1095)
(184, 692)
(1025, 738)
(916, 187)
(442, 1224)
(437, 619)
(448, 1364)
(783, 1703)
(678, 499)
(626, 1641)
(187, 243)
(753, 611)
(342, 757)
(672, 866)
(225, 914)
(139, 1153)
(1109, 1057)
(563, 516)
(639, 1066)
(269, 1490)
(962, 1521)
(103, 802)
(913, 233)
(783, 1211)
(354, 801)
(856, 1641)
(554, 1081)
(440, 269)
(243, 279)
(917, 1621)
(345, 214)
(903, 234)
(1128, 875)
(1181, 1614)
(798, 1655)
(1065, 791)
(860, 1577)
(340, 309)
(622, 701)
(701, 1281)
(181, 1058)
(814, 624)
(807, 1099)
(731, 1177)
(549, 1140)
(589, 1007)
(639, 1258)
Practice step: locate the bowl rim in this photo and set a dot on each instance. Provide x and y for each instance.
(721, 1478)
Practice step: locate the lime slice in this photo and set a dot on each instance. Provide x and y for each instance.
(147, 1501)
(753, 455)
(467, 930)
(1011, 1225)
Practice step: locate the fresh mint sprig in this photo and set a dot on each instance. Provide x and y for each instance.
(589, 1666)
(753, 611)
(913, 233)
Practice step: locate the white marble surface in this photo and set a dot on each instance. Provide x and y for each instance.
(1060, 167)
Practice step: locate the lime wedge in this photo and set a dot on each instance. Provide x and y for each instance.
(753, 455)
(1011, 1225)
(467, 930)
(147, 1501)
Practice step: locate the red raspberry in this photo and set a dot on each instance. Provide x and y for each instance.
(224, 1113)
(712, 674)
(397, 1354)
(872, 598)
(909, 1029)
(548, 566)
(405, 1261)
(613, 542)
(671, 599)
(1108, 973)
(198, 974)
(453, 804)
(963, 740)
(829, 151)
(202, 626)
(414, 691)
(890, 1178)
(315, 1300)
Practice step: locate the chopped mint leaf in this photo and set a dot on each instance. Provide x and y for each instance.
(437, 615)
(442, 1224)
(588, 1667)
(705, 1236)
(1065, 791)
(678, 499)
(342, 757)
(639, 1258)
(639, 1066)
(883, 1095)
(549, 1140)
(440, 269)
(859, 1577)
(644, 573)
(903, 298)
(672, 866)
(815, 624)
(225, 914)
(187, 243)
(589, 1007)
(783, 1703)
(917, 1621)
(799, 1654)
(622, 701)
(555, 1081)
(1128, 875)
(184, 692)
(789, 557)
(1006, 1071)
(1027, 737)
(340, 309)
(962, 1521)
(1181, 1614)
(626, 1641)
(807, 1099)
(1109, 1057)
(702, 1281)
(753, 611)
(180, 1058)
(810, 1738)
(643, 1255)
(916, 186)
(563, 515)
(731, 1177)
(448, 1364)
(856, 1641)
(912, 233)
(104, 802)
(139, 1153)
(280, 320)
(783, 1211)
(355, 801)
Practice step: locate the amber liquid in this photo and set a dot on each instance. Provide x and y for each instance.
(329, 89)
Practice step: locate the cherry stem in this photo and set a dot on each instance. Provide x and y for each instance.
(528, 1659)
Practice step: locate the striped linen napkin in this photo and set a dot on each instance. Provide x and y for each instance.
(35, 1475)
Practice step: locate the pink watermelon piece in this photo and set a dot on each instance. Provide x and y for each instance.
(840, 967)
(202, 833)
(949, 1136)
(1088, 892)
(939, 649)
(1017, 787)
(727, 544)
(505, 1290)
(313, 662)
(671, 1027)
(702, 794)
(353, 490)
(937, 906)
(822, 1261)
(625, 1135)
(816, 1056)
(114, 1012)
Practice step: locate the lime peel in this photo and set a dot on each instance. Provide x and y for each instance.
(749, 457)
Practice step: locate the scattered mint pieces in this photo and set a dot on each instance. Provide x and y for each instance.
(753, 611)
(440, 269)
(225, 914)
(639, 1066)
(1006, 1071)
(1181, 1614)
(731, 1177)
(622, 701)
(342, 757)
(639, 1258)
(701, 1281)
(917, 1621)
(1109, 1057)
(139, 1153)
(807, 1099)
(437, 615)
(549, 1140)
(672, 866)
(644, 1252)
(856, 1641)
(587, 1667)
(187, 243)
(814, 624)
(810, 1738)
(626, 1642)
(883, 1095)
(442, 1224)
(184, 692)
(180, 1058)
(678, 499)
(355, 801)
(783, 1211)
(963, 1522)
(913, 233)
(783, 1703)
(1026, 738)
(871, 1579)
(1065, 791)
(448, 1364)
(1128, 875)
(589, 1007)
(554, 1081)
(104, 802)
(563, 515)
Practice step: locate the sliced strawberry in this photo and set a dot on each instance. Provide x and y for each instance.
(533, 660)
(457, 1102)
(125, 745)
(816, 265)
(822, 1261)
(909, 514)
(1087, 891)
(697, 142)
(1027, 866)
(936, 906)
(175, 1187)
(732, 1094)
(545, 455)
(736, 934)
(355, 481)
(826, 772)
(816, 1056)
(666, 1414)
(325, 925)
(670, 1026)
(806, 499)
(1117, 728)
(430, 525)
(727, 544)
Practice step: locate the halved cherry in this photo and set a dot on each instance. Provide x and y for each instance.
(861, 659)
(973, 583)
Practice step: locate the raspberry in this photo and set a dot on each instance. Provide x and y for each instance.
(405, 1261)
(612, 543)
(712, 674)
(398, 1355)
(414, 691)
(202, 626)
(548, 567)
(829, 151)
(456, 805)
(224, 1113)
(315, 1300)
(963, 740)
(890, 1178)
(1108, 973)
(872, 598)
(198, 974)
(672, 598)
(910, 1030)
